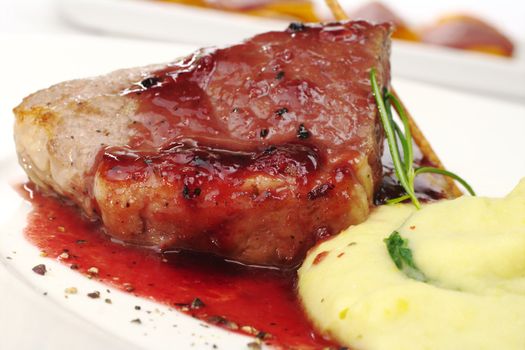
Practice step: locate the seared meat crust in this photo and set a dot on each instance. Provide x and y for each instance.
(251, 152)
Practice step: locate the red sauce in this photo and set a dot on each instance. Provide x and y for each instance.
(261, 298)
(200, 165)
(261, 140)
(232, 294)
(320, 257)
(308, 82)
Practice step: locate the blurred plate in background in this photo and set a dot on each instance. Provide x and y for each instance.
(147, 19)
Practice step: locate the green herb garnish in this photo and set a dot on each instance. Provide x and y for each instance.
(404, 170)
(401, 254)
(403, 162)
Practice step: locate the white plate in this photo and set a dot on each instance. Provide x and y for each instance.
(158, 20)
(479, 138)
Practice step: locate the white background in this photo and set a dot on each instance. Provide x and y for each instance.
(32, 33)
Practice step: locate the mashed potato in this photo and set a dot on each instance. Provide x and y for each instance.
(472, 251)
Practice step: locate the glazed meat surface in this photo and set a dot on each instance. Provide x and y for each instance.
(252, 152)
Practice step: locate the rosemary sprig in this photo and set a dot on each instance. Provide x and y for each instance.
(426, 169)
(403, 162)
(388, 124)
(397, 246)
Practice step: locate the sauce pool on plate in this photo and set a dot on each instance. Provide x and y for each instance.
(258, 302)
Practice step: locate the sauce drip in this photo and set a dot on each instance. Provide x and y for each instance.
(233, 295)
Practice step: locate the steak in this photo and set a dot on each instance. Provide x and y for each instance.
(251, 152)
